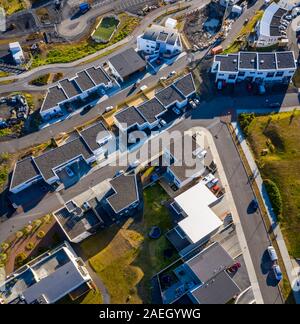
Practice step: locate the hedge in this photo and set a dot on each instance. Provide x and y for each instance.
(275, 196)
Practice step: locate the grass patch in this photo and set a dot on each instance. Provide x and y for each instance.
(65, 53)
(275, 142)
(12, 6)
(106, 28)
(125, 258)
(41, 80)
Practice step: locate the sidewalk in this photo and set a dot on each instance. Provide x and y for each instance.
(292, 271)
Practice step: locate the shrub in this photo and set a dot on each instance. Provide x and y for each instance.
(41, 234)
(29, 246)
(27, 230)
(244, 121)
(275, 196)
(4, 246)
(20, 259)
(19, 234)
(3, 257)
(47, 219)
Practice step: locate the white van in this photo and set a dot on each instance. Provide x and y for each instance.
(272, 253)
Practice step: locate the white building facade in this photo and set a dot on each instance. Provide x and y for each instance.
(255, 67)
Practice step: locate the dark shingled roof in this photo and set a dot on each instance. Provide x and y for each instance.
(285, 60)
(228, 63)
(98, 75)
(70, 87)
(169, 96)
(186, 85)
(151, 109)
(130, 116)
(126, 192)
(93, 135)
(267, 61)
(248, 60)
(219, 290)
(60, 155)
(84, 81)
(209, 262)
(24, 170)
(127, 62)
(54, 96)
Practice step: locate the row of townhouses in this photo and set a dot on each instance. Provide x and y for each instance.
(255, 67)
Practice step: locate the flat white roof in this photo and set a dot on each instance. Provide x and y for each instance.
(200, 220)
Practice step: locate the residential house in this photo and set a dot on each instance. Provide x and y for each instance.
(126, 64)
(47, 279)
(159, 41)
(255, 67)
(17, 53)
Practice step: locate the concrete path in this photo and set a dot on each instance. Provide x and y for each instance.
(291, 269)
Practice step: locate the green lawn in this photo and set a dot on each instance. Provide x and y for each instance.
(106, 28)
(12, 6)
(279, 134)
(125, 258)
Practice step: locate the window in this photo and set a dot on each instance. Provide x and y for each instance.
(232, 77)
(270, 74)
(221, 74)
(279, 74)
(241, 74)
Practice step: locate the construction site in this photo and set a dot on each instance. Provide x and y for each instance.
(203, 27)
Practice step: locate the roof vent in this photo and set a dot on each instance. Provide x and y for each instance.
(235, 60)
(252, 60)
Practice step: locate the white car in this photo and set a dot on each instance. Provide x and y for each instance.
(277, 272)
(70, 173)
(110, 108)
(163, 122)
(272, 253)
(192, 104)
(196, 101)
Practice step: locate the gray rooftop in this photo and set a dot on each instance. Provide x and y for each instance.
(162, 34)
(219, 290)
(75, 225)
(70, 87)
(126, 192)
(266, 61)
(127, 62)
(98, 75)
(285, 60)
(54, 96)
(169, 96)
(248, 60)
(25, 170)
(151, 109)
(186, 85)
(228, 63)
(209, 262)
(84, 81)
(94, 135)
(130, 116)
(61, 155)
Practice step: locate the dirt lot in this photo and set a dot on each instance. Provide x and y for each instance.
(202, 24)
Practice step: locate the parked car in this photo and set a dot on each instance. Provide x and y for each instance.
(120, 172)
(196, 101)
(277, 272)
(70, 173)
(171, 74)
(220, 85)
(176, 111)
(272, 253)
(109, 108)
(288, 17)
(192, 104)
(163, 122)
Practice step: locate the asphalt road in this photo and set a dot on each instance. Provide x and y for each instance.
(252, 222)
